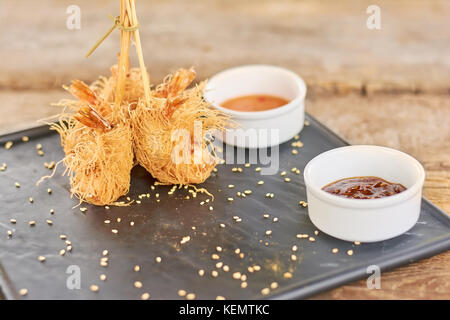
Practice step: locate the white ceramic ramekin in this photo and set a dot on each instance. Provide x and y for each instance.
(365, 220)
(264, 128)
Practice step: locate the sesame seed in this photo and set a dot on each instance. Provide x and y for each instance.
(215, 256)
(222, 225)
(231, 186)
(260, 182)
(23, 292)
(40, 153)
(273, 285)
(105, 252)
(32, 223)
(287, 275)
(63, 237)
(145, 296)
(8, 145)
(335, 250)
(41, 258)
(226, 268)
(30, 199)
(256, 268)
(132, 223)
(83, 209)
(107, 221)
(237, 275)
(62, 252)
(211, 208)
(265, 291)
(357, 243)
(220, 298)
(12, 220)
(103, 277)
(69, 248)
(17, 185)
(103, 263)
(293, 257)
(214, 273)
(52, 211)
(39, 146)
(185, 239)
(268, 232)
(257, 169)
(219, 249)
(316, 232)
(241, 255)
(158, 259)
(294, 151)
(219, 265)
(350, 252)
(115, 231)
(182, 293)
(237, 251)
(49, 222)
(307, 123)
(275, 219)
(244, 277)
(138, 284)
(201, 272)
(283, 173)
(244, 285)
(9, 233)
(294, 248)
(190, 296)
(312, 239)
(94, 288)
(137, 268)
(287, 179)
(247, 192)
(49, 191)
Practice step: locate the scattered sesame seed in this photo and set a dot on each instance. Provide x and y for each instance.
(226, 268)
(274, 285)
(137, 268)
(39, 146)
(103, 277)
(283, 173)
(214, 273)
(41, 258)
(219, 265)
(260, 182)
(17, 185)
(23, 292)
(231, 186)
(12, 220)
(350, 252)
(237, 275)
(63, 237)
(257, 169)
(185, 239)
(182, 293)
(357, 243)
(201, 272)
(49, 222)
(294, 248)
(275, 219)
(145, 296)
(132, 223)
(230, 199)
(316, 232)
(8, 145)
(294, 151)
(247, 192)
(302, 236)
(265, 291)
(138, 284)
(222, 225)
(312, 239)
(115, 231)
(287, 275)
(32, 223)
(9, 233)
(256, 268)
(244, 285)
(94, 288)
(307, 123)
(287, 179)
(335, 250)
(158, 259)
(211, 208)
(268, 232)
(83, 209)
(107, 221)
(293, 257)
(219, 249)
(52, 211)
(30, 199)
(69, 248)
(190, 296)
(62, 252)
(220, 298)
(40, 153)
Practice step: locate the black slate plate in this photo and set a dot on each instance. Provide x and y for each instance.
(160, 226)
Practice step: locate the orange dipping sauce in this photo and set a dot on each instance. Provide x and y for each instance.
(252, 103)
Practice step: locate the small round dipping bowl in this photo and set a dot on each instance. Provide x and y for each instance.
(259, 129)
(364, 220)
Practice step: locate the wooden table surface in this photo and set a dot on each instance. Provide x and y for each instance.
(388, 87)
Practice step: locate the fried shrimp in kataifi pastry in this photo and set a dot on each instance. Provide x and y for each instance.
(172, 134)
(97, 141)
(105, 87)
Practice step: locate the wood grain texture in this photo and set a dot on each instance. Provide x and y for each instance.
(388, 87)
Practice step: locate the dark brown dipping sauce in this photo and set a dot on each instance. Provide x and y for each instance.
(363, 188)
(257, 102)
